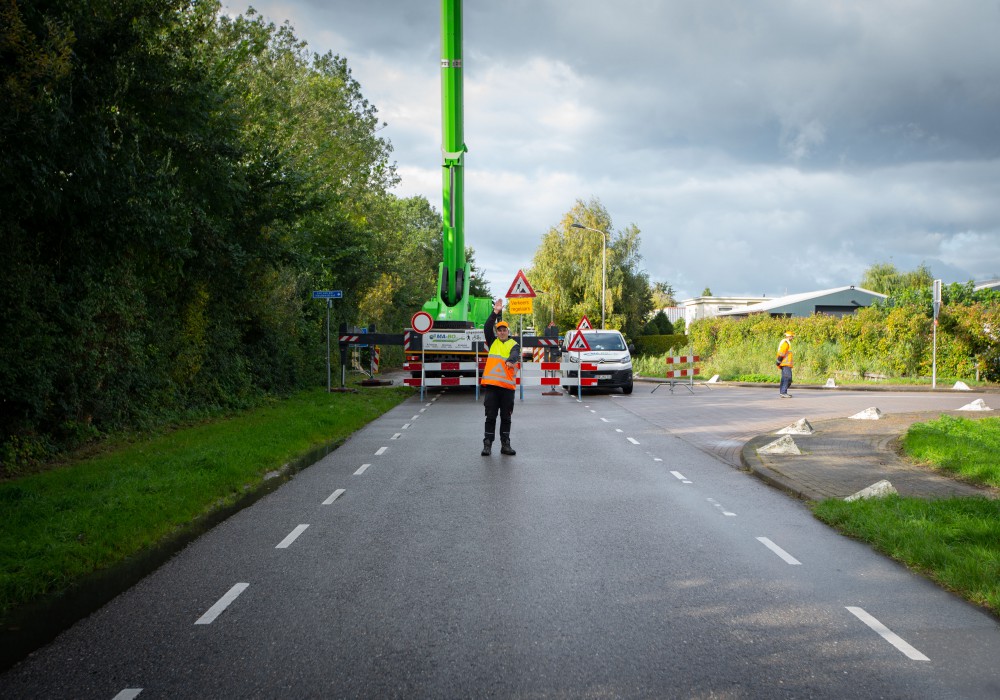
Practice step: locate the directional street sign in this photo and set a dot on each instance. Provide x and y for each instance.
(328, 294)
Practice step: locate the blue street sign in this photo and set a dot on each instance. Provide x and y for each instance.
(328, 294)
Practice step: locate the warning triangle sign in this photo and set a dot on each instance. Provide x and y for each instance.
(584, 324)
(578, 343)
(497, 372)
(520, 287)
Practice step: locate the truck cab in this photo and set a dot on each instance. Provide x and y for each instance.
(609, 351)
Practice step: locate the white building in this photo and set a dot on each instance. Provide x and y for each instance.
(707, 307)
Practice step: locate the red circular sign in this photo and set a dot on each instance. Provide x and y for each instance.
(421, 322)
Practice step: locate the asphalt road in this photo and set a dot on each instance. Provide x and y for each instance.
(619, 554)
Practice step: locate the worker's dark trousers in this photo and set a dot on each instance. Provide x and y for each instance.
(500, 401)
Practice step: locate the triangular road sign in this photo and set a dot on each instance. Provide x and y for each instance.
(584, 325)
(520, 287)
(578, 343)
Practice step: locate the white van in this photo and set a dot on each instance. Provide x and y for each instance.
(609, 351)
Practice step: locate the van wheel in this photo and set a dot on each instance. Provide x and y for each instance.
(627, 389)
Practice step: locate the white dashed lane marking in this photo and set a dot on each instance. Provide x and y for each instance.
(335, 495)
(299, 529)
(224, 602)
(633, 441)
(719, 506)
(380, 451)
(128, 694)
(887, 634)
(681, 477)
(396, 436)
(789, 559)
(361, 469)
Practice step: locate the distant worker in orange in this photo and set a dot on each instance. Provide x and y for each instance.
(784, 363)
(499, 380)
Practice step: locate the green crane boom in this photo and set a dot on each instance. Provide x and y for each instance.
(453, 305)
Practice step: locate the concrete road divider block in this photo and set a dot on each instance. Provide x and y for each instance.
(830, 384)
(961, 386)
(880, 489)
(868, 414)
(977, 405)
(782, 446)
(799, 427)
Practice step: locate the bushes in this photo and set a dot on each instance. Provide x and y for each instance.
(892, 339)
(660, 344)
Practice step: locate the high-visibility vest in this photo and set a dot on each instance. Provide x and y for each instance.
(785, 349)
(496, 372)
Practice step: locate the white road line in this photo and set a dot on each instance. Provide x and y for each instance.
(128, 694)
(337, 494)
(789, 559)
(619, 430)
(887, 634)
(633, 441)
(299, 529)
(719, 506)
(657, 459)
(361, 469)
(415, 417)
(216, 610)
(605, 420)
(380, 450)
(593, 410)
(396, 436)
(405, 426)
(680, 476)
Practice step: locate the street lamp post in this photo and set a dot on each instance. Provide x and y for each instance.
(604, 263)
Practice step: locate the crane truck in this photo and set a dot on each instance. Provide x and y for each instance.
(458, 315)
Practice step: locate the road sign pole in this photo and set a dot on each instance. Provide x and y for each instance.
(329, 303)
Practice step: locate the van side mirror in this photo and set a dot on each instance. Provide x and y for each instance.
(631, 349)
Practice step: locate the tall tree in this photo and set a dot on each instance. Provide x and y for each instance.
(568, 266)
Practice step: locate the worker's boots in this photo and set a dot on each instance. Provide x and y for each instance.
(505, 448)
(487, 446)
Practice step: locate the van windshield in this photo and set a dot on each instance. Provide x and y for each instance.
(605, 341)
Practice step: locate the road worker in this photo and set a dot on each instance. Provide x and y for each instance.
(499, 379)
(784, 363)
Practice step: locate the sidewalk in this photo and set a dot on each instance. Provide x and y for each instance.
(846, 455)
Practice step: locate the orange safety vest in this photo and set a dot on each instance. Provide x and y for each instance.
(496, 372)
(785, 353)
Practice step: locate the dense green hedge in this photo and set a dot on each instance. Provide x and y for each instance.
(659, 344)
(895, 340)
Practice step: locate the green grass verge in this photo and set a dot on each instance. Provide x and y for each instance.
(84, 516)
(955, 541)
(961, 446)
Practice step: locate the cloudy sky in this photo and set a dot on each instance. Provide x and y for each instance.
(762, 148)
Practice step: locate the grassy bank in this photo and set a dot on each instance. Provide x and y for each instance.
(89, 514)
(955, 541)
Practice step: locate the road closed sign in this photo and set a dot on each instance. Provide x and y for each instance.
(421, 322)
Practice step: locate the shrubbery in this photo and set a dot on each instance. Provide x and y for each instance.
(894, 339)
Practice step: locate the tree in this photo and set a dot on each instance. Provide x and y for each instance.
(707, 292)
(663, 295)
(884, 278)
(568, 265)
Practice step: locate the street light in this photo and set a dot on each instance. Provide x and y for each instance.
(604, 263)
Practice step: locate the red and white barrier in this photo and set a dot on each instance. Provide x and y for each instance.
(527, 376)
(682, 360)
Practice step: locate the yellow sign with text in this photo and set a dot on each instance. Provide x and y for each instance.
(520, 305)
